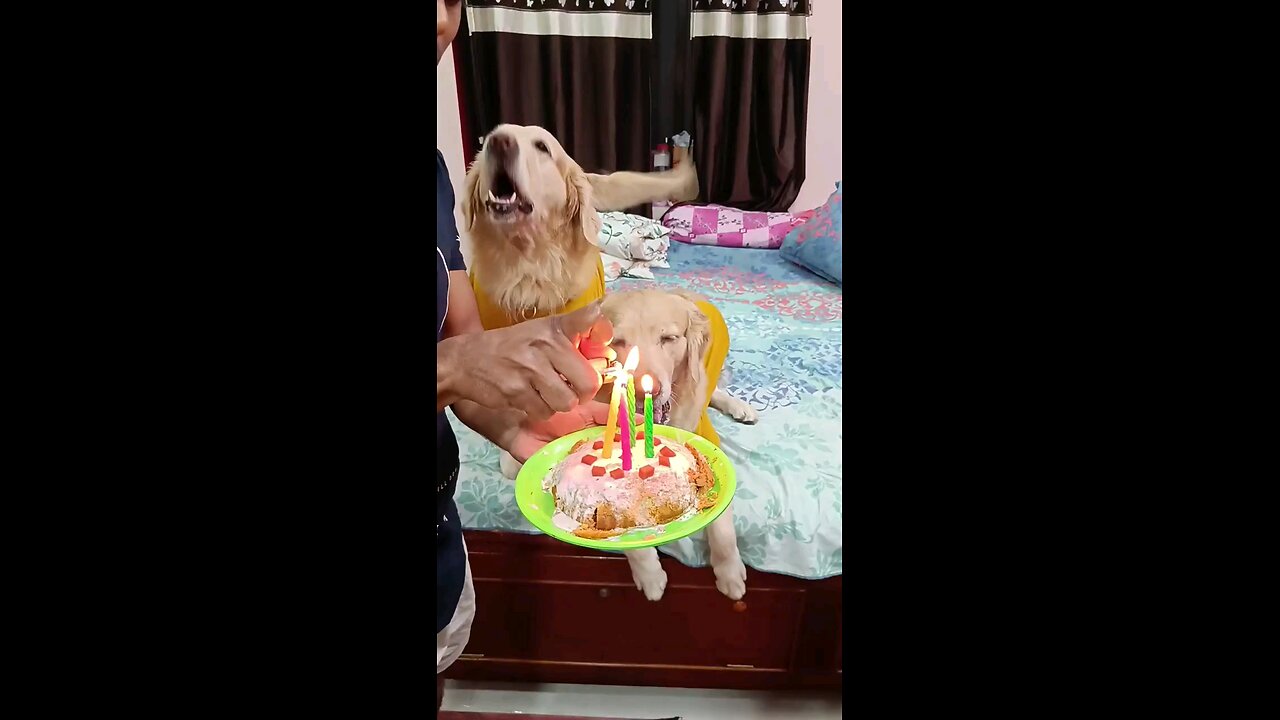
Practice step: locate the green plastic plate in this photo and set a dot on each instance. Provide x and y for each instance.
(537, 505)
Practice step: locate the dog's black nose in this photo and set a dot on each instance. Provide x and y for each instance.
(500, 146)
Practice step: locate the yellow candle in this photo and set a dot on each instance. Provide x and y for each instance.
(612, 425)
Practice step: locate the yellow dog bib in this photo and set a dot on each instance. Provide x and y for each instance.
(713, 363)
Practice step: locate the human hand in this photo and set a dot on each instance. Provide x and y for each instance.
(529, 437)
(594, 343)
(539, 367)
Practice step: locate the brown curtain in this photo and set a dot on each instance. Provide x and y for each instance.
(748, 85)
(579, 68)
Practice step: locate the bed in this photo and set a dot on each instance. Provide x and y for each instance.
(533, 593)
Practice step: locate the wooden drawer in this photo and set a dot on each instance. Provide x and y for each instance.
(514, 566)
(551, 612)
(578, 621)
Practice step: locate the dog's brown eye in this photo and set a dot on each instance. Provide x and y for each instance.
(669, 338)
(542, 146)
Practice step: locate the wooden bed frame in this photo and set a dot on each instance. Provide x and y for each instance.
(551, 612)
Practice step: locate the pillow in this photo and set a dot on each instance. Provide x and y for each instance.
(818, 244)
(632, 237)
(728, 227)
(631, 245)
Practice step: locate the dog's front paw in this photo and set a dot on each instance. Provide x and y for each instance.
(510, 466)
(742, 411)
(731, 578)
(650, 582)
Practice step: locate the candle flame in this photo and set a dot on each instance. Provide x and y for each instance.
(633, 359)
(646, 382)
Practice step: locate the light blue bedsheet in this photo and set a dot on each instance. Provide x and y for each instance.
(785, 359)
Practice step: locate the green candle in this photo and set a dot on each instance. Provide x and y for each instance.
(648, 415)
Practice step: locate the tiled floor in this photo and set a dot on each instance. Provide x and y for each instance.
(640, 702)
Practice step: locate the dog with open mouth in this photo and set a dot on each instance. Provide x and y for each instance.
(533, 218)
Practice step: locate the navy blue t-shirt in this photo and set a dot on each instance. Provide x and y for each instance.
(450, 557)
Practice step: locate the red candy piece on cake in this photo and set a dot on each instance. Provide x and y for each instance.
(667, 452)
(598, 445)
(639, 434)
(589, 459)
(663, 461)
(597, 471)
(656, 440)
(616, 473)
(646, 471)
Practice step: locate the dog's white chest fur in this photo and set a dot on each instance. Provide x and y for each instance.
(534, 279)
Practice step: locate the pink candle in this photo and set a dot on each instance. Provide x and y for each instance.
(624, 421)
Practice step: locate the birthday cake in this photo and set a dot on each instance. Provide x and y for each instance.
(594, 491)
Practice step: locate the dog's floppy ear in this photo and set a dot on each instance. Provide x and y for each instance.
(699, 338)
(578, 206)
(471, 202)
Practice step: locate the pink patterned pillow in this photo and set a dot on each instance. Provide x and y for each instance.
(728, 227)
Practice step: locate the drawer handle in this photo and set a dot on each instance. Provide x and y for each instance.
(739, 606)
(604, 592)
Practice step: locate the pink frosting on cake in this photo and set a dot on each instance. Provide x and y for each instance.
(579, 493)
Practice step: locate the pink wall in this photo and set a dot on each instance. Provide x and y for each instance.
(449, 141)
(824, 134)
(824, 140)
(448, 126)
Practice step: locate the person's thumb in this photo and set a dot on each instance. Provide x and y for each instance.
(578, 322)
(595, 411)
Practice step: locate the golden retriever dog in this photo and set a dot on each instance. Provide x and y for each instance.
(531, 214)
(682, 341)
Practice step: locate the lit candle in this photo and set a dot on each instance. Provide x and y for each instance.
(612, 425)
(626, 436)
(647, 383)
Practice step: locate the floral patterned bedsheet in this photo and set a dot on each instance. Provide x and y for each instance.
(785, 359)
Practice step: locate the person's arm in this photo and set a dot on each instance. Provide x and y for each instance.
(464, 312)
(463, 318)
(537, 367)
(511, 429)
(499, 426)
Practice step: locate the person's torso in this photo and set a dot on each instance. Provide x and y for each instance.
(450, 556)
